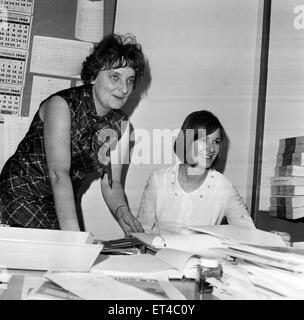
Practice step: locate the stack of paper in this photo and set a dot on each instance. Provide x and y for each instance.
(171, 263)
(142, 265)
(238, 234)
(287, 186)
(261, 273)
(195, 243)
(37, 249)
(202, 240)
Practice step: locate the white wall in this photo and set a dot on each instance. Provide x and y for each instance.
(285, 95)
(203, 54)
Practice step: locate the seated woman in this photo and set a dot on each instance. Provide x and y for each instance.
(192, 192)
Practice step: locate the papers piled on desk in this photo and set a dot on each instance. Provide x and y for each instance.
(171, 263)
(90, 286)
(195, 243)
(259, 272)
(202, 240)
(238, 234)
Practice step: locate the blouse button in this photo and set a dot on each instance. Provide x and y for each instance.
(175, 193)
(201, 196)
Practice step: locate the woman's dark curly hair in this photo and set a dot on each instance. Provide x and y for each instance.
(113, 52)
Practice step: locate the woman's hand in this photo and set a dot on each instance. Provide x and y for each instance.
(127, 221)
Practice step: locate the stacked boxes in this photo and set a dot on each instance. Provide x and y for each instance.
(287, 186)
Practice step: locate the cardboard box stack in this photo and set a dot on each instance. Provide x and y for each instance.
(287, 186)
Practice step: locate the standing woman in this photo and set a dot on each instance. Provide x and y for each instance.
(72, 134)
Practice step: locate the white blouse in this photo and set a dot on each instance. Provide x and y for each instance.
(166, 206)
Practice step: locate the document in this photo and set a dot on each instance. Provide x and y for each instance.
(92, 286)
(185, 262)
(42, 88)
(195, 243)
(12, 131)
(242, 235)
(172, 263)
(144, 265)
(89, 20)
(48, 290)
(243, 280)
(61, 57)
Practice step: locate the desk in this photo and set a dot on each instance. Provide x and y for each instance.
(14, 291)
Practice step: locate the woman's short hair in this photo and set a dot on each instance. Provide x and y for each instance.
(195, 125)
(113, 52)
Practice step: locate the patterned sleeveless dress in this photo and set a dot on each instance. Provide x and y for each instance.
(26, 197)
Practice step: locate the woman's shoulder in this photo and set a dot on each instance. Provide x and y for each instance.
(220, 177)
(72, 92)
(163, 172)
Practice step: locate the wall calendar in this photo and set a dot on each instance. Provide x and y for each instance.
(15, 31)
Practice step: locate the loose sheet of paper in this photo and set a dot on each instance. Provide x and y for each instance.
(135, 265)
(242, 235)
(91, 286)
(59, 57)
(89, 20)
(12, 130)
(42, 88)
(183, 261)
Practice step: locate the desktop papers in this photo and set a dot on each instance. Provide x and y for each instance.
(171, 263)
(248, 279)
(92, 286)
(193, 243)
(240, 234)
(144, 265)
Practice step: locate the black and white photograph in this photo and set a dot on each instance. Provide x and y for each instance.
(152, 153)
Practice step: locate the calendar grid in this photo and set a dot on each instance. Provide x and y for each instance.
(15, 31)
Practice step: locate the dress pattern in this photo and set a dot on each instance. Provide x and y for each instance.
(26, 197)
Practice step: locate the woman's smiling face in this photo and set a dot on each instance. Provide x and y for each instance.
(112, 88)
(206, 149)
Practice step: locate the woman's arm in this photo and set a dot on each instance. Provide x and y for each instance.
(236, 211)
(115, 197)
(57, 125)
(116, 202)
